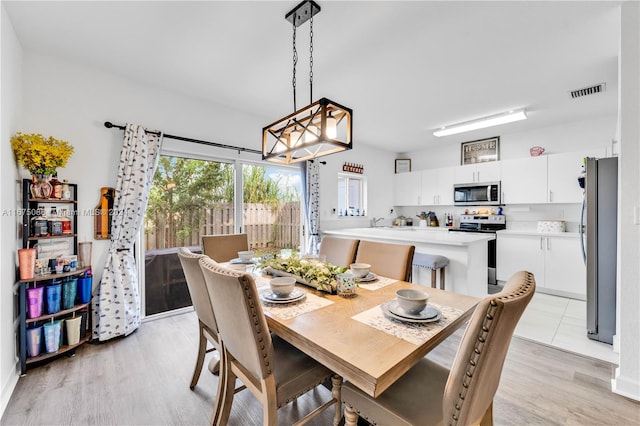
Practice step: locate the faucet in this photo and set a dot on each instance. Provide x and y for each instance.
(375, 220)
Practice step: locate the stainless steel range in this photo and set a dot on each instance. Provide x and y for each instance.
(484, 224)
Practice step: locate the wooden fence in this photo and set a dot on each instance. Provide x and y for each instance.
(267, 226)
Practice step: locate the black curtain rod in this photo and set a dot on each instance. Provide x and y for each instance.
(110, 125)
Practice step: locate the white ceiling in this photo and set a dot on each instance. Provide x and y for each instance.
(406, 68)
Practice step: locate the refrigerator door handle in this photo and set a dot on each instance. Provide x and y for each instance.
(581, 230)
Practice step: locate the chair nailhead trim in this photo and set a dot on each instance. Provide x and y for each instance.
(481, 340)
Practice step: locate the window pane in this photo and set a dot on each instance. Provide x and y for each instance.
(351, 195)
(189, 198)
(271, 203)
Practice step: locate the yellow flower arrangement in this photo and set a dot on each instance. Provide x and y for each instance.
(40, 155)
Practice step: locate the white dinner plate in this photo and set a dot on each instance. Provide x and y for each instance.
(238, 261)
(427, 313)
(367, 278)
(270, 297)
(385, 310)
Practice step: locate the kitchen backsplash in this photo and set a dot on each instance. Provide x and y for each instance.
(522, 217)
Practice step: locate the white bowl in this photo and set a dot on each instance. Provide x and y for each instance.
(245, 256)
(282, 286)
(412, 301)
(360, 270)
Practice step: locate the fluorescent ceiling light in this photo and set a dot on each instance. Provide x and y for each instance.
(481, 123)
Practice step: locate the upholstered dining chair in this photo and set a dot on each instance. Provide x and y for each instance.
(208, 329)
(223, 248)
(389, 260)
(273, 370)
(430, 394)
(339, 251)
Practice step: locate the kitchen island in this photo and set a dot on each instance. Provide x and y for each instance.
(467, 252)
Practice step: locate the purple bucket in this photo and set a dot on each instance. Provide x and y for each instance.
(34, 302)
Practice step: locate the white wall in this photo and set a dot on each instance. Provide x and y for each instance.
(627, 377)
(10, 109)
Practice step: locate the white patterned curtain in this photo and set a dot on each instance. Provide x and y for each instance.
(117, 301)
(313, 205)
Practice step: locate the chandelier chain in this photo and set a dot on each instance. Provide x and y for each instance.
(311, 60)
(295, 62)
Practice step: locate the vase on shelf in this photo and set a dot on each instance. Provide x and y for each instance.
(40, 186)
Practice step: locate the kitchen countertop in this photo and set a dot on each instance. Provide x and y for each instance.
(540, 234)
(415, 235)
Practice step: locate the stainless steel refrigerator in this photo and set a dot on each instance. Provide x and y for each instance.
(599, 244)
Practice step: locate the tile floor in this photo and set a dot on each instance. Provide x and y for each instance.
(561, 323)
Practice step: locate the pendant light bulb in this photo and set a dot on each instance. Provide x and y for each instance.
(295, 138)
(311, 134)
(332, 127)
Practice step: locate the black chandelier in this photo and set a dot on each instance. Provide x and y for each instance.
(321, 128)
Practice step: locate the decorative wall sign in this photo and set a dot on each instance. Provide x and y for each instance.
(403, 165)
(480, 151)
(353, 168)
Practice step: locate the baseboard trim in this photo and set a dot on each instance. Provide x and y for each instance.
(625, 387)
(7, 391)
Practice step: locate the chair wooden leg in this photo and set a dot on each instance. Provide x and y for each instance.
(433, 278)
(336, 393)
(226, 391)
(442, 278)
(270, 403)
(487, 417)
(350, 416)
(202, 349)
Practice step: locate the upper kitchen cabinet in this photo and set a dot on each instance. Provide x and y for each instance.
(407, 188)
(562, 174)
(479, 172)
(524, 180)
(437, 186)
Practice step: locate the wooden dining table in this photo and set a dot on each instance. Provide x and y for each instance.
(370, 358)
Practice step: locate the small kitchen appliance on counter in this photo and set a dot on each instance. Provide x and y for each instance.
(484, 224)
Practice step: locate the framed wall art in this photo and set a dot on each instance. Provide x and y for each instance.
(480, 151)
(403, 165)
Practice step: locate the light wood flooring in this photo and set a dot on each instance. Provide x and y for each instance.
(144, 380)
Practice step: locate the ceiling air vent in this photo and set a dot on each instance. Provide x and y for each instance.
(591, 90)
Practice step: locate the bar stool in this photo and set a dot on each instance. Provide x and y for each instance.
(433, 262)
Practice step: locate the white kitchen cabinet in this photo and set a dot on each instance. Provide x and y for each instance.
(480, 172)
(554, 260)
(407, 188)
(519, 253)
(562, 175)
(524, 180)
(437, 186)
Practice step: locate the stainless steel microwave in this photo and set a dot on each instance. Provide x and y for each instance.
(477, 194)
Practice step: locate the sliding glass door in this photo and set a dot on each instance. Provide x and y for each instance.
(189, 198)
(194, 197)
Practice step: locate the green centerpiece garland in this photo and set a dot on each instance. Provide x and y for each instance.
(321, 275)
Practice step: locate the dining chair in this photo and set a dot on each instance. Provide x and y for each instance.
(273, 370)
(388, 260)
(223, 248)
(339, 251)
(208, 329)
(429, 393)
